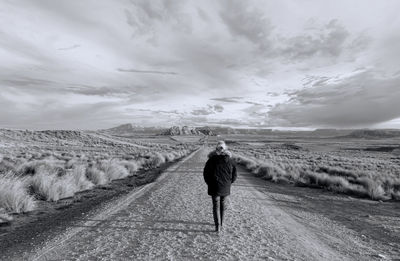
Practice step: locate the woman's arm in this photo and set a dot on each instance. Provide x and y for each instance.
(234, 173)
(206, 172)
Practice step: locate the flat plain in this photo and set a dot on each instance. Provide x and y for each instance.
(302, 198)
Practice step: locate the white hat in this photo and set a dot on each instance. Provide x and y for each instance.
(221, 145)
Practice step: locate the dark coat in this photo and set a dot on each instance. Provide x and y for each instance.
(219, 173)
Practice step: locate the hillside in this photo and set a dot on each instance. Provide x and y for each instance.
(128, 129)
(373, 134)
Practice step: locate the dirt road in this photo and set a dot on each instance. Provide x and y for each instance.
(171, 220)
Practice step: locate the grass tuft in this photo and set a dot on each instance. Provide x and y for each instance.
(14, 196)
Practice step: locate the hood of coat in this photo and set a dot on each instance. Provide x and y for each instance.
(223, 153)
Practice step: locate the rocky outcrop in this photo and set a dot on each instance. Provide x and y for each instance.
(186, 130)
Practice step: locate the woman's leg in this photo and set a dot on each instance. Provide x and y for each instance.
(215, 211)
(222, 208)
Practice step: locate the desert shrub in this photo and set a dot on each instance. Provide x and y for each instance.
(141, 162)
(160, 158)
(36, 155)
(97, 176)
(114, 169)
(48, 186)
(71, 163)
(396, 194)
(396, 151)
(169, 156)
(247, 162)
(132, 166)
(27, 168)
(5, 217)
(373, 188)
(31, 167)
(81, 181)
(154, 161)
(7, 165)
(363, 186)
(335, 171)
(14, 196)
(270, 172)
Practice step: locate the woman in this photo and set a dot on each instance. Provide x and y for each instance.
(219, 173)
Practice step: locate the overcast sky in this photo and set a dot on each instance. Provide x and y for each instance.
(92, 64)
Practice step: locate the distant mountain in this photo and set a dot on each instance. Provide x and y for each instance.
(213, 130)
(331, 132)
(373, 134)
(121, 129)
(186, 130)
(129, 129)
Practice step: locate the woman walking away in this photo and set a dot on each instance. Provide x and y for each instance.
(219, 173)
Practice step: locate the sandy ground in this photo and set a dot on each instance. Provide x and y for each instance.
(171, 220)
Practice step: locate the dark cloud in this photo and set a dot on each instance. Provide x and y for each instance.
(25, 81)
(208, 110)
(228, 99)
(202, 112)
(218, 108)
(361, 100)
(69, 48)
(253, 103)
(256, 111)
(145, 71)
(156, 111)
(143, 16)
(327, 41)
(247, 21)
(36, 86)
(273, 94)
(100, 91)
(234, 100)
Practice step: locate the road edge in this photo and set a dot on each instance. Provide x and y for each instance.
(108, 209)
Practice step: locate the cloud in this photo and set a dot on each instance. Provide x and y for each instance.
(69, 48)
(157, 111)
(228, 99)
(100, 91)
(360, 100)
(171, 62)
(247, 21)
(145, 71)
(202, 112)
(218, 108)
(56, 115)
(208, 110)
(326, 41)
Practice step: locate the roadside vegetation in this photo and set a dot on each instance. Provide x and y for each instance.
(375, 175)
(54, 165)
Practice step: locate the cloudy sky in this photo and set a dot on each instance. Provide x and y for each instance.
(92, 64)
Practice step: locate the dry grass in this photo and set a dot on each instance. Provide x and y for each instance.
(113, 169)
(51, 187)
(51, 165)
(14, 196)
(356, 174)
(80, 179)
(97, 176)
